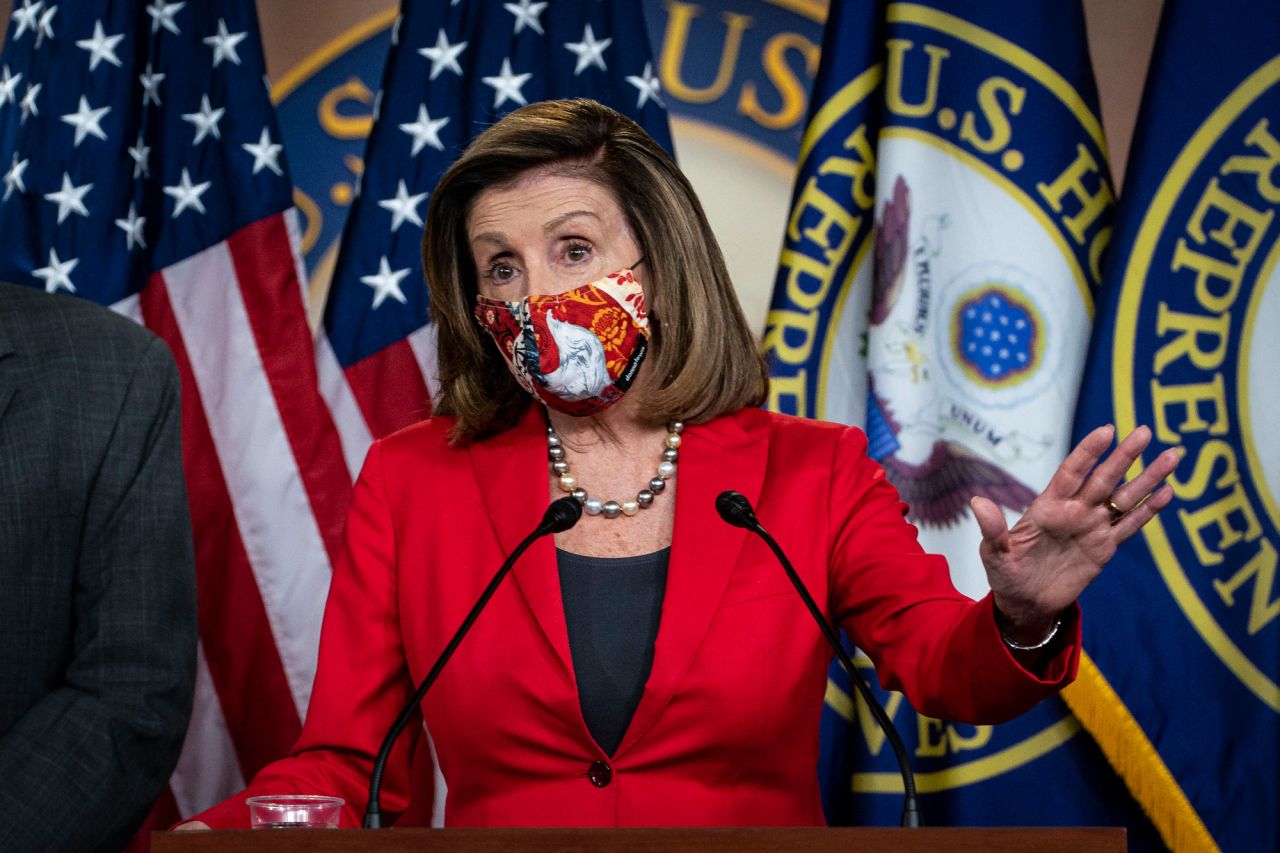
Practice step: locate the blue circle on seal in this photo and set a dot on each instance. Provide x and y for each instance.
(996, 336)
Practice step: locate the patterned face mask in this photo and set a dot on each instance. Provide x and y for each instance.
(577, 351)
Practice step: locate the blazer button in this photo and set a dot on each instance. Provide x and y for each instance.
(600, 774)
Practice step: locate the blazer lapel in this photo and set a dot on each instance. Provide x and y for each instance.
(511, 470)
(704, 550)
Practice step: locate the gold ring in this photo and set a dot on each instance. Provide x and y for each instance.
(1116, 512)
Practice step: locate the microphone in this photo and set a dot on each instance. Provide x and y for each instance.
(736, 510)
(559, 517)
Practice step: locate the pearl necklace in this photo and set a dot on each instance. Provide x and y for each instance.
(612, 509)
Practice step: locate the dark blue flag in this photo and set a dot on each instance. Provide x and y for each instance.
(936, 286)
(1183, 627)
(454, 68)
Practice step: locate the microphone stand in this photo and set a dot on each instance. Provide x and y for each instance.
(735, 509)
(560, 516)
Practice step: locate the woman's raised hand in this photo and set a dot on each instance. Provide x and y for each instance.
(1070, 531)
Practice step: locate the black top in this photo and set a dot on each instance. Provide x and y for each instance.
(611, 607)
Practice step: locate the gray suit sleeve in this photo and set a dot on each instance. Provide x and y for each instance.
(82, 767)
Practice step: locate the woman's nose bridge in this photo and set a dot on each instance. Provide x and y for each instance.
(540, 280)
(547, 279)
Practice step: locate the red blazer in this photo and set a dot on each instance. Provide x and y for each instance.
(726, 732)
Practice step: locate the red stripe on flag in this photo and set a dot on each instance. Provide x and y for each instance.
(238, 644)
(264, 265)
(389, 388)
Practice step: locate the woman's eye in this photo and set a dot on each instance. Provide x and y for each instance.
(502, 273)
(576, 254)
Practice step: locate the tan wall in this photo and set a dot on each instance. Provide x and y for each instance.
(1121, 34)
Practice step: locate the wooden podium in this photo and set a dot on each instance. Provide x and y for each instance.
(728, 840)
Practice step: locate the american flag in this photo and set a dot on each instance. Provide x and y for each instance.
(143, 170)
(454, 68)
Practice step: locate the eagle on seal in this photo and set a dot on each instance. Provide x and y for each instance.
(937, 490)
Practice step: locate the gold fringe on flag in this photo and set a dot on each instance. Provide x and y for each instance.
(1102, 712)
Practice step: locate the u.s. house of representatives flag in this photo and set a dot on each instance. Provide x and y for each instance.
(935, 285)
(454, 68)
(1184, 625)
(142, 170)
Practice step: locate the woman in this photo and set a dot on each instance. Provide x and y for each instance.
(652, 665)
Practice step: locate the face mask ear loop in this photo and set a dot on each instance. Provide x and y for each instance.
(637, 263)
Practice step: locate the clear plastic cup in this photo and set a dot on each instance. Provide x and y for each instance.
(294, 811)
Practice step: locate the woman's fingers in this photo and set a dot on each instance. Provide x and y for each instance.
(1110, 471)
(1075, 468)
(1133, 520)
(1132, 493)
(990, 521)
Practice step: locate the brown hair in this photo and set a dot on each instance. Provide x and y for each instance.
(704, 361)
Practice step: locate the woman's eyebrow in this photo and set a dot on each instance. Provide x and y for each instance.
(565, 217)
(495, 237)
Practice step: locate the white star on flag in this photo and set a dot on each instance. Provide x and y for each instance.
(648, 86)
(86, 121)
(46, 25)
(25, 18)
(150, 86)
(589, 51)
(224, 44)
(205, 121)
(403, 207)
(70, 199)
(444, 55)
(132, 227)
(425, 131)
(265, 153)
(185, 194)
(101, 46)
(526, 12)
(140, 154)
(162, 16)
(9, 86)
(506, 86)
(29, 101)
(386, 283)
(13, 177)
(57, 275)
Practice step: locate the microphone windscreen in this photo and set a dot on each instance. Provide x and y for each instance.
(561, 515)
(735, 509)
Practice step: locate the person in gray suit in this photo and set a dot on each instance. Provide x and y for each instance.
(97, 579)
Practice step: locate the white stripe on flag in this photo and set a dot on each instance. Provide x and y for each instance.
(207, 772)
(440, 788)
(293, 226)
(423, 344)
(352, 429)
(271, 506)
(131, 307)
